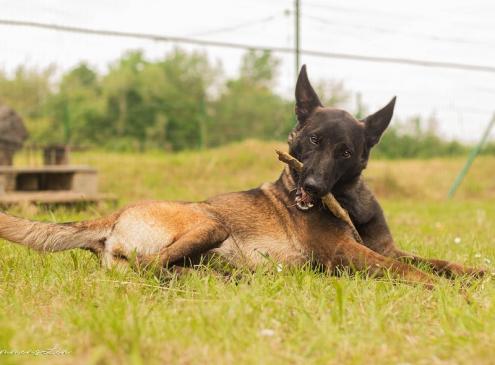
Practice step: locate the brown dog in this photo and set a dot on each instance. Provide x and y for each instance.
(284, 220)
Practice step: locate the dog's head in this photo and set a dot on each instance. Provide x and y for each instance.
(333, 145)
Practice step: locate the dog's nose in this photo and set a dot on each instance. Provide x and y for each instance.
(313, 187)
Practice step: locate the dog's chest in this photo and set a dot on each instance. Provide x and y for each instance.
(255, 250)
(265, 229)
(292, 240)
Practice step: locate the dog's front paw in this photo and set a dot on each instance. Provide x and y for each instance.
(477, 273)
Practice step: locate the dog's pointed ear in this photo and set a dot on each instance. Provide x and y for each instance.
(375, 124)
(306, 99)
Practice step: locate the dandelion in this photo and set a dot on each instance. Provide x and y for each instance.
(457, 240)
(267, 332)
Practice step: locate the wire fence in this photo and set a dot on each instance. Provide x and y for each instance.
(466, 117)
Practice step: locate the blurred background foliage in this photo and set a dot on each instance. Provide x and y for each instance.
(185, 101)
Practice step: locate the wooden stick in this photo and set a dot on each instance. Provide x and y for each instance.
(329, 200)
(289, 160)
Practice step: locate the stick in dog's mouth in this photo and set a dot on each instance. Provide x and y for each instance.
(305, 201)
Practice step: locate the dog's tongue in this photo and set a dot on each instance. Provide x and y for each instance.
(305, 197)
(304, 201)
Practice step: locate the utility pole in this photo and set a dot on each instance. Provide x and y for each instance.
(297, 31)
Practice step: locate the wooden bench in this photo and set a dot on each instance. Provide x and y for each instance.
(49, 185)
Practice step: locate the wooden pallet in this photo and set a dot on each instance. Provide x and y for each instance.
(52, 197)
(57, 184)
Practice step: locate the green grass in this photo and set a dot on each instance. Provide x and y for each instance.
(67, 301)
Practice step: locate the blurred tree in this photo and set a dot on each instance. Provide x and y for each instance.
(248, 107)
(260, 67)
(126, 114)
(159, 103)
(409, 140)
(184, 97)
(27, 92)
(332, 93)
(182, 101)
(77, 108)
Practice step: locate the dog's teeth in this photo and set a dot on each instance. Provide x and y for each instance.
(303, 206)
(300, 205)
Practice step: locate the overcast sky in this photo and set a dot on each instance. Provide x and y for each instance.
(441, 30)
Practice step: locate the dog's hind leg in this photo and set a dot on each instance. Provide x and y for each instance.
(114, 259)
(197, 241)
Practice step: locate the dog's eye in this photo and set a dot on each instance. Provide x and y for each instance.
(346, 154)
(314, 140)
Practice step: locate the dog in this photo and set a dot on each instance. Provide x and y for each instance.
(284, 220)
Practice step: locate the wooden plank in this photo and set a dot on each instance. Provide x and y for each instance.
(84, 183)
(46, 169)
(52, 197)
(78, 179)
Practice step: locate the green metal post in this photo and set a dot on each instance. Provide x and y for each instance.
(474, 152)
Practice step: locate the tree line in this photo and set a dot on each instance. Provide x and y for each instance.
(181, 101)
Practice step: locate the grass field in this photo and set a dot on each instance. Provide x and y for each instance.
(66, 302)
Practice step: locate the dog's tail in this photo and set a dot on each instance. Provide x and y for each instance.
(53, 237)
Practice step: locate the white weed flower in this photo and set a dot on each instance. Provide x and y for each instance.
(267, 332)
(457, 240)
